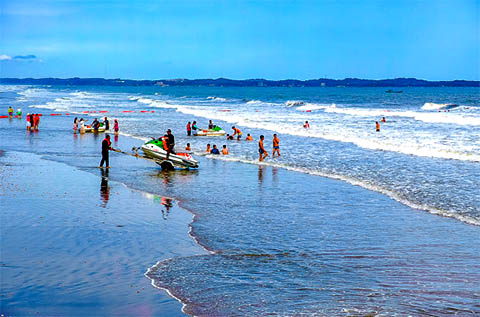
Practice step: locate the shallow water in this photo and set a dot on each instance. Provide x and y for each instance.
(283, 240)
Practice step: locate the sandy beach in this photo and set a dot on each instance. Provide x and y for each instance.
(74, 243)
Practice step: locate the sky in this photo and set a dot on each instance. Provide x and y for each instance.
(283, 39)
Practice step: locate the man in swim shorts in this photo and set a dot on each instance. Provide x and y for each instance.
(276, 145)
(237, 132)
(261, 149)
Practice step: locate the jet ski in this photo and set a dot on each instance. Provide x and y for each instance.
(216, 131)
(89, 128)
(154, 149)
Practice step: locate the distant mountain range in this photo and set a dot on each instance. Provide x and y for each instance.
(224, 82)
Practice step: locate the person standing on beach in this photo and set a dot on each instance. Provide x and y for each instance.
(261, 149)
(115, 127)
(189, 129)
(170, 143)
(276, 145)
(106, 146)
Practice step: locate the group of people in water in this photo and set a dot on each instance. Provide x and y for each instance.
(80, 125)
(237, 134)
(33, 121)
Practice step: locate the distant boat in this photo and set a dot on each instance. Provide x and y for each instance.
(394, 91)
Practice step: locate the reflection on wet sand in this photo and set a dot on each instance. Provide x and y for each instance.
(104, 188)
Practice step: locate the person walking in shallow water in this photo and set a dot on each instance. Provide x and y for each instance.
(261, 149)
(377, 126)
(276, 145)
(106, 146)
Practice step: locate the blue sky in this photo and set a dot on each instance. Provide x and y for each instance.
(430, 39)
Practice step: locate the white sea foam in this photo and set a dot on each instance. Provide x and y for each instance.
(315, 106)
(294, 103)
(216, 98)
(434, 106)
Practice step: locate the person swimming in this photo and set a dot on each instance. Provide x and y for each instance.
(225, 150)
(249, 137)
(383, 119)
(377, 126)
(229, 137)
(214, 150)
(187, 148)
(306, 125)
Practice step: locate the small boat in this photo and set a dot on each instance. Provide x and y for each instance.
(216, 131)
(154, 149)
(390, 91)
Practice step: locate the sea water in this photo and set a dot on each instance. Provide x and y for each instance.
(285, 241)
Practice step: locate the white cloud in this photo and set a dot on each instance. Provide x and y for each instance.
(4, 57)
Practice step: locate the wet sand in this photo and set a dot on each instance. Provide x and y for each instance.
(75, 243)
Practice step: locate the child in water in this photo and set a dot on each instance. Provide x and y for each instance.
(187, 148)
(214, 150)
(225, 150)
(208, 148)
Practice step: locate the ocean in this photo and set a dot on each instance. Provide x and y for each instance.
(286, 236)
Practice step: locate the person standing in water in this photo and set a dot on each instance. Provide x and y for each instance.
(106, 124)
(208, 148)
(75, 125)
(115, 127)
(383, 119)
(276, 145)
(237, 132)
(189, 129)
(377, 126)
(261, 149)
(106, 146)
(188, 148)
(10, 111)
(249, 137)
